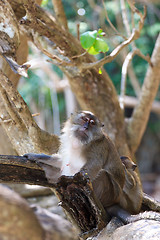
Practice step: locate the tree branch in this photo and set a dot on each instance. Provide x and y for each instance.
(76, 196)
(132, 102)
(17, 218)
(17, 169)
(134, 81)
(20, 107)
(70, 46)
(113, 54)
(23, 131)
(60, 14)
(45, 25)
(125, 66)
(110, 23)
(137, 124)
(75, 192)
(135, 35)
(124, 17)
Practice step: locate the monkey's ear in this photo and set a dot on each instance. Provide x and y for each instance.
(134, 166)
(123, 158)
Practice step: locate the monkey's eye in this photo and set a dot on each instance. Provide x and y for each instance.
(92, 122)
(85, 119)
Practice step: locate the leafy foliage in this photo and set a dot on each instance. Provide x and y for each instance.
(93, 42)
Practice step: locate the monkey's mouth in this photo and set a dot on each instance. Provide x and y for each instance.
(81, 135)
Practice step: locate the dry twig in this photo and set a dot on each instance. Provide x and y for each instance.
(110, 23)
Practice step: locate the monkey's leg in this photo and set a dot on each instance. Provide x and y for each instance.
(106, 189)
(50, 164)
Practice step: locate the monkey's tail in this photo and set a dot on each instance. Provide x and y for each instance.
(126, 217)
(120, 213)
(150, 215)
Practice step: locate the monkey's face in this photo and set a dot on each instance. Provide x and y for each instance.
(128, 163)
(86, 127)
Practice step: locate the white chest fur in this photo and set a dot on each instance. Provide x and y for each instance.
(72, 159)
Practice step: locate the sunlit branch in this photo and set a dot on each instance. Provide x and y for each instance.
(124, 71)
(113, 55)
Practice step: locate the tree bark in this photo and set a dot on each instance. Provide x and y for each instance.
(17, 219)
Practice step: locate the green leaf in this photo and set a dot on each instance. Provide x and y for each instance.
(92, 51)
(100, 45)
(88, 38)
(44, 3)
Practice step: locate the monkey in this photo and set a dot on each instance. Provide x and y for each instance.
(131, 201)
(132, 189)
(87, 149)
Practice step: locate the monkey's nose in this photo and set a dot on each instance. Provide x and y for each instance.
(86, 125)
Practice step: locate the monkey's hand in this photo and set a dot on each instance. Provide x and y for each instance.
(83, 177)
(35, 157)
(50, 164)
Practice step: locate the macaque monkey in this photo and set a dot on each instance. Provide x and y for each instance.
(132, 189)
(86, 148)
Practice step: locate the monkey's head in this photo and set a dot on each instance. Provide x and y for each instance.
(85, 126)
(128, 163)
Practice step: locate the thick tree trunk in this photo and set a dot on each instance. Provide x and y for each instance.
(5, 146)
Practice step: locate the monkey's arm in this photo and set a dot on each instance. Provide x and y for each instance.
(91, 168)
(50, 164)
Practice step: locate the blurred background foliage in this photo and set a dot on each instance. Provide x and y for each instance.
(46, 89)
